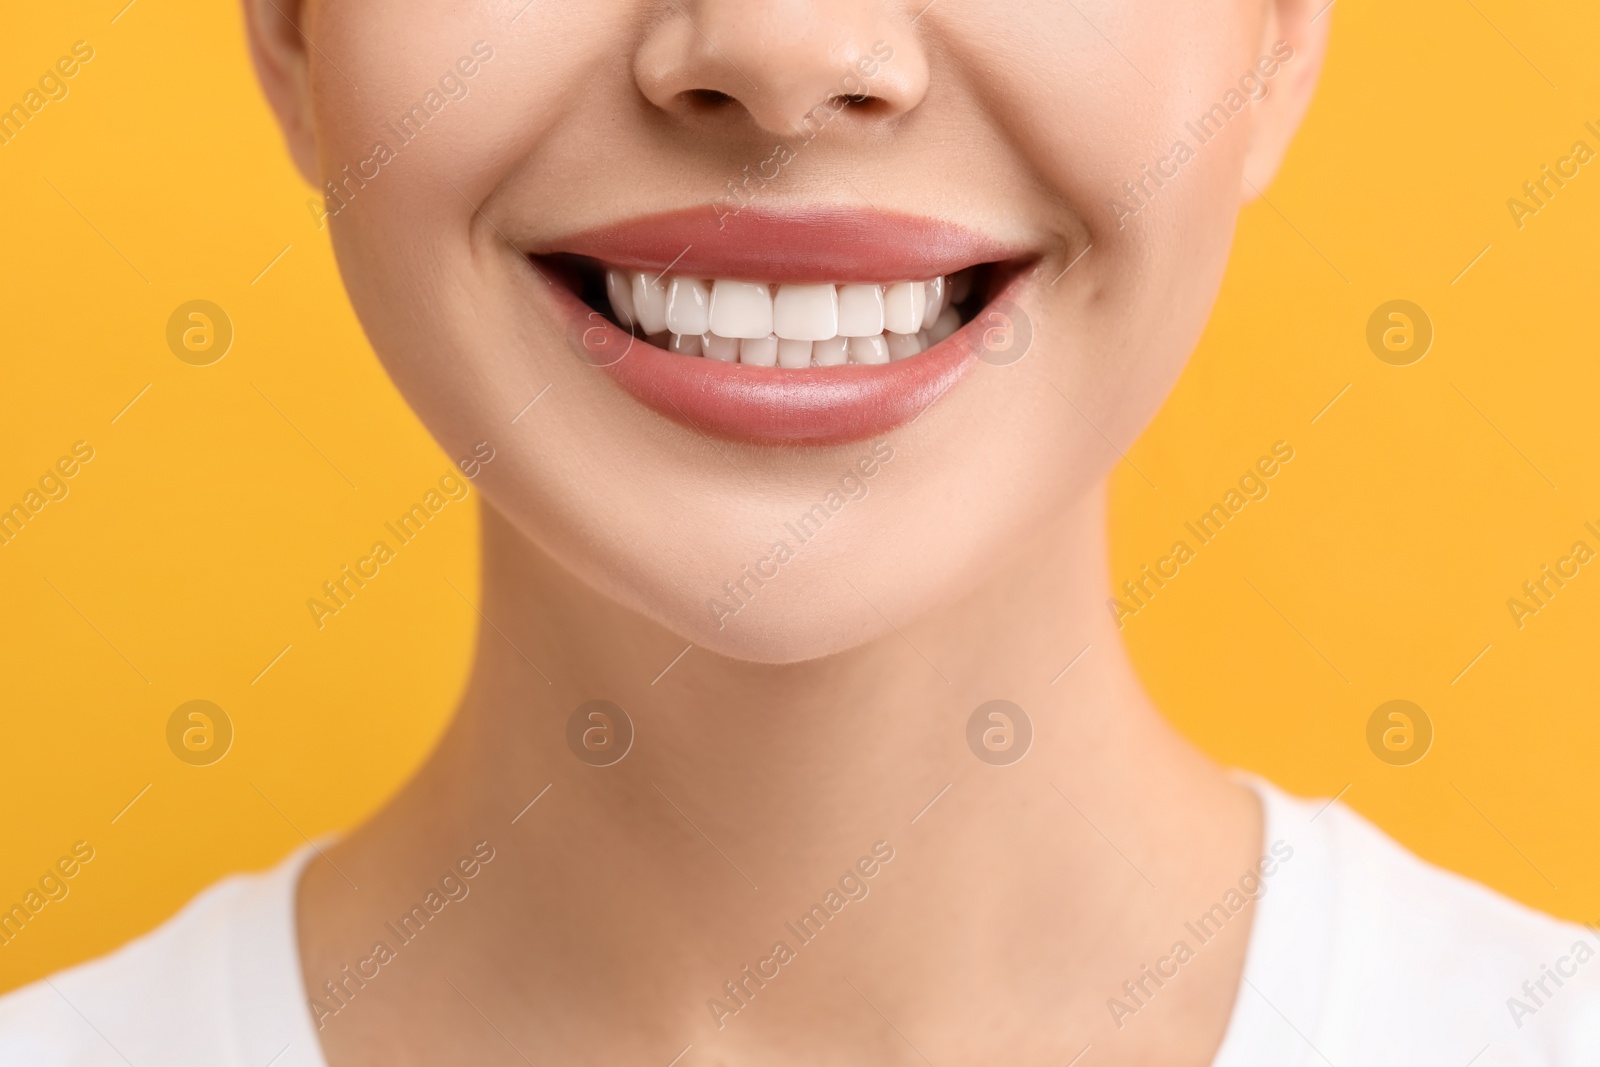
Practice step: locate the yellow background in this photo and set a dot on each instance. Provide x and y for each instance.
(1379, 567)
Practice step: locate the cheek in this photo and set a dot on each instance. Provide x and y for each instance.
(1129, 314)
(427, 273)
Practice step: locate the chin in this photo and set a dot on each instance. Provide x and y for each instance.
(802, 610)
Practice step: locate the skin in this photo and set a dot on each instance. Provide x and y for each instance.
(811, 725)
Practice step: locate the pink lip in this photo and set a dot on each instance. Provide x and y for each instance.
(818, 245)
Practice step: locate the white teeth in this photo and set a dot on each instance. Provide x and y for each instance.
(741, 309)
(902, 345)
(834, 352)
(649, 303)
(869, 350)
(723, 349)
(935, 300)
(759, 351)
(787, 325)
(860, 310)
(806, 312)
(619, 287)
(688, 306)
(903, 305)
(792, 353)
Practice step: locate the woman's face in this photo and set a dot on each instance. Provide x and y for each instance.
(489, 161)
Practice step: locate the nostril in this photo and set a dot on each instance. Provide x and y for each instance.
(855, 102)
(706, 99)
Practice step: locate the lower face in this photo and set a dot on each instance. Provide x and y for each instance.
(783, 384)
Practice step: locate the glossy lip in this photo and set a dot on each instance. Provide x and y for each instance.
(824, 244)
(775, 405)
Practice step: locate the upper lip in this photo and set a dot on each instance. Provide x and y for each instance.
(815, 245)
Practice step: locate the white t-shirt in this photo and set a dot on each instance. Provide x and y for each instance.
(1361, 955)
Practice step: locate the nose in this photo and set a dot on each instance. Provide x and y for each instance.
(790, 66)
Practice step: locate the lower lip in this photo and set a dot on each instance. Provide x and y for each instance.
(771, 405)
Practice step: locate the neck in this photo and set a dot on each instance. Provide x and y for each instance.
(750, 789)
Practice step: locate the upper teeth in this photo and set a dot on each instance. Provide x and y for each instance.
(787, 325)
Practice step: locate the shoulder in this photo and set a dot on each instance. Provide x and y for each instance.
(1417, 938)
(216, 985)
(1383, 958)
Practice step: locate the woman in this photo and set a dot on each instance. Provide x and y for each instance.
(791, 346)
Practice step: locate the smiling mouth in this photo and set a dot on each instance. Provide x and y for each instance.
(812, 326)
(792, 325)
